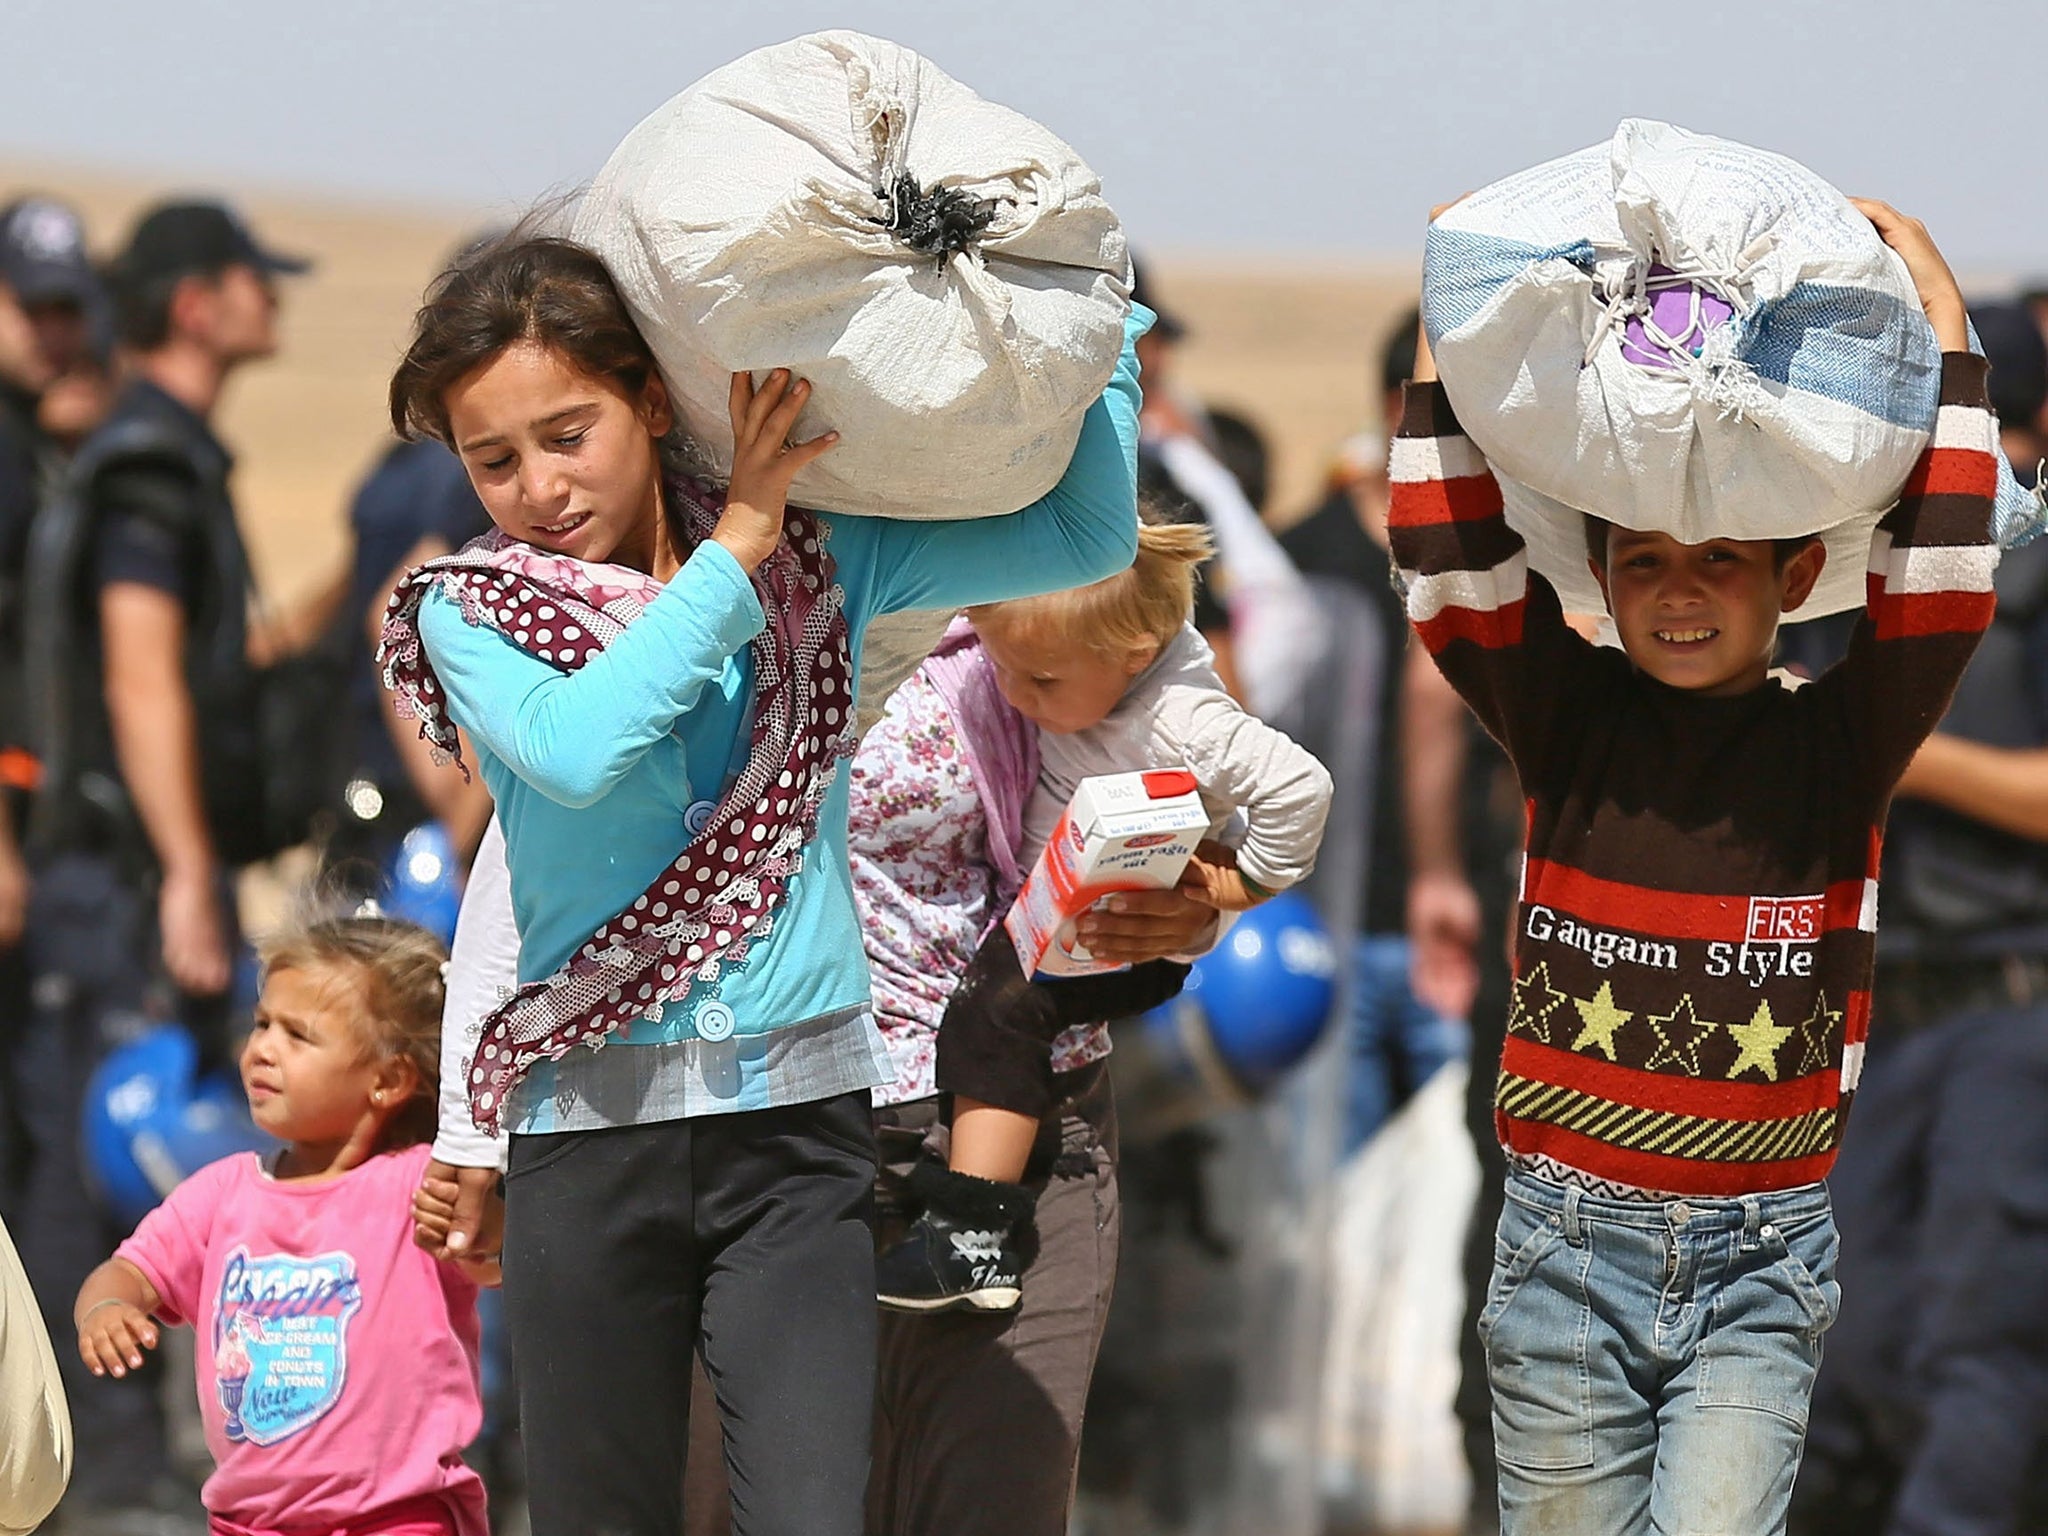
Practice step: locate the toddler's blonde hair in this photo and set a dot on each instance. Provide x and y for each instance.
(1149, 601)
(396, 968)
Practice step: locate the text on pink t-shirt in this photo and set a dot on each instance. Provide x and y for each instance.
(337, 1362)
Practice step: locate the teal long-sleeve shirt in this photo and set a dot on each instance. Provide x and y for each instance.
(597, 773)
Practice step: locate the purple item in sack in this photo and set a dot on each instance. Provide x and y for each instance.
(1683, 312)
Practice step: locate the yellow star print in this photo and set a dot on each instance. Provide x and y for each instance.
(1601, 1019)
(1680, 1034)
(1760, 1039)
(1535, 1001)
(1815, 1035)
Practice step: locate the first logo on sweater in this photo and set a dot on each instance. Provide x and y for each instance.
(1786, 919)
(280, 1341)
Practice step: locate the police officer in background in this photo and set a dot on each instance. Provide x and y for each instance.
(1931, 1414)
(147, 708)
(45, 267)
(47, 290)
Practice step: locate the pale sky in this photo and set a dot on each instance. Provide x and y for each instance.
(1301, 128)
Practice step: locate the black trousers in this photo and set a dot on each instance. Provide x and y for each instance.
(978, 1418)
(746, 1239)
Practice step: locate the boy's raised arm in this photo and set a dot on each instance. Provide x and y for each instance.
(1496, 631)
(1932, 559)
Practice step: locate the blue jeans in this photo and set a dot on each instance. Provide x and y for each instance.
(1394, 1042)
(1651, 1364)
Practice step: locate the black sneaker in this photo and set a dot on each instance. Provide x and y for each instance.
(969, 1249)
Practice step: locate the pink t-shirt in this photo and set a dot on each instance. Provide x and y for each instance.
(337, 1362)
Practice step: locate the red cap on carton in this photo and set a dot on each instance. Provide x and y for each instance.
(1168, 783)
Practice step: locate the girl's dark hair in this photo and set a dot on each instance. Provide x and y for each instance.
(521, 287)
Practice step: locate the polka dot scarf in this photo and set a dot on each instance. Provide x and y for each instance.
(701, 913)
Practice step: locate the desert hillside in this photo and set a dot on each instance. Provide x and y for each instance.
(1290, 346)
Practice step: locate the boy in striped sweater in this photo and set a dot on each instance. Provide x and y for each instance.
(1693, 951)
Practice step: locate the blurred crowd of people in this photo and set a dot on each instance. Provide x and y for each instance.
(162, 729)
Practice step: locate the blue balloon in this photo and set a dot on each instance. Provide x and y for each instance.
(425, 881)
(1254, 1007)
(152, 1120)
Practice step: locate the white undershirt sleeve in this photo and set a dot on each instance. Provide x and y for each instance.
(483, 970)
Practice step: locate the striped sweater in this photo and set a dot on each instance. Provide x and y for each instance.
(1698, 909)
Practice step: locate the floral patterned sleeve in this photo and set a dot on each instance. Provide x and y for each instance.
(917, 839)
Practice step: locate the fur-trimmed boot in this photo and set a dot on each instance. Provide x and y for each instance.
(969, 1249)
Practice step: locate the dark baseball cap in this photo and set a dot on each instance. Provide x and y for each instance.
(175, 238)
(1168, 326)
(42, 253)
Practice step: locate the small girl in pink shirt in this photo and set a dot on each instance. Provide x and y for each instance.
(337, 1362)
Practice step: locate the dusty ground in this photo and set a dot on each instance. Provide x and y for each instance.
(1292, 347)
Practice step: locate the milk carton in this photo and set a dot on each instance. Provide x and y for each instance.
(1122, 832)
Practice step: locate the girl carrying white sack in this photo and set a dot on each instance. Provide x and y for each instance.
(656, 676)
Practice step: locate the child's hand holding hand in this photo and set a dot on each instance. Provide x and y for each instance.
(112, 1335)
(433, 1214)
(459, 1214)
(442, 1227)
(764, 461)
(1212, 878)
(1932, 279)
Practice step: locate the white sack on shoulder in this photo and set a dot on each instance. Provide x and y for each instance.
(943, 270)
(1680, 333)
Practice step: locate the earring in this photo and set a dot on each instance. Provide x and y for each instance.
(377, 1096)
